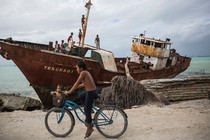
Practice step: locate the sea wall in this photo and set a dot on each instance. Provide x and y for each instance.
(180, 89)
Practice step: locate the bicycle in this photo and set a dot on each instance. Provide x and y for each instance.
(110, 120)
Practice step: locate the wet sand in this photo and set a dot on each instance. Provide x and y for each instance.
(188, 120)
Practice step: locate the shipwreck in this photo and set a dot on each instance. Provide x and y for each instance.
(44, 67)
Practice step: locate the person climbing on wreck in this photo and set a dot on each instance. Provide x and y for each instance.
(62, 46)
(87, 97)
(80, 36)
(56, 48)
(70, 40)
(97, 42)
(83, 21)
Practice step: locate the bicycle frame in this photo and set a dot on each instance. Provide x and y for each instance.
(70, 104)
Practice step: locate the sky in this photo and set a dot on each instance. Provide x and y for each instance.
(186, 23)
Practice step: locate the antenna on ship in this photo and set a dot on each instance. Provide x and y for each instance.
(88, 5)
(144, 33)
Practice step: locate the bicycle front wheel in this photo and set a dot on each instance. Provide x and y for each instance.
(62, 128)
(111, 121)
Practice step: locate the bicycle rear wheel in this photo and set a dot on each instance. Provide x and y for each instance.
(62, 128)
(111, 121)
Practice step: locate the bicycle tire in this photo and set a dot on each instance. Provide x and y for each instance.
(114, 128)
(51, 122)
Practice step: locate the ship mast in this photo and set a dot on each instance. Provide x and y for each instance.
(88, 5)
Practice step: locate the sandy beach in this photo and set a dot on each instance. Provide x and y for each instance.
(189, 120)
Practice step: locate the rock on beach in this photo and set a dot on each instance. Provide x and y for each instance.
(11, 102)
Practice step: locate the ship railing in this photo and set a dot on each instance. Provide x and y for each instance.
(33, 46)
(183, 61)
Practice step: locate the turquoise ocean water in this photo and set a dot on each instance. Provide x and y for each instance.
(13, 81)
(198, 66)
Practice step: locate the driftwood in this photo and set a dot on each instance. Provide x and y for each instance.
(180, 89)
(127, 93)
(127, 70)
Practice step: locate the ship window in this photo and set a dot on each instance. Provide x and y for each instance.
(135, 40)
(164, 45)
(147, 42)
(141, 57)
(142, 41)
(88, 54)
(158, 45)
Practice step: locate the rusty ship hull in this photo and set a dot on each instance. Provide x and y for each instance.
(44, 68)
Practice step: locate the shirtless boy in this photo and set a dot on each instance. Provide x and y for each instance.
(85, 80)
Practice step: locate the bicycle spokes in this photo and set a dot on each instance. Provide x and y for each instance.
(111, 121)
(59, 123)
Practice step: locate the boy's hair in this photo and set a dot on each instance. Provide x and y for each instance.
(82, 65)
(60, 86)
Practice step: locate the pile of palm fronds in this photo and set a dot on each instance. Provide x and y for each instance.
(127, 93)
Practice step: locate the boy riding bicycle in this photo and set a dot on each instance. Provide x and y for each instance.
(85, 80)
